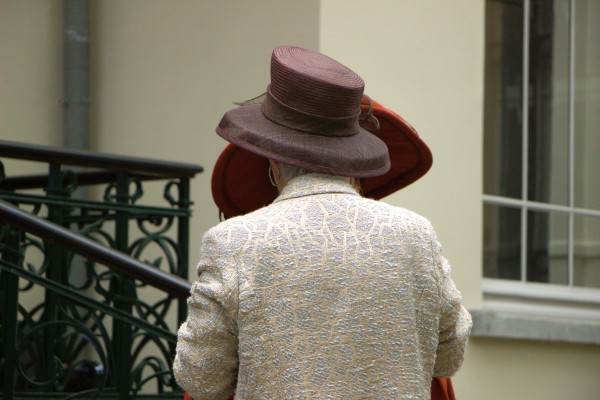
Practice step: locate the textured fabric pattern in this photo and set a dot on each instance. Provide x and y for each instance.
(321, 295)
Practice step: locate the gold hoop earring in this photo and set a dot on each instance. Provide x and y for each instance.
(271, 176)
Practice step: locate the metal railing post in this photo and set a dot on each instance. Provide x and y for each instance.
(55, 272)
(9, 288)
(183, 238)
(124, 289)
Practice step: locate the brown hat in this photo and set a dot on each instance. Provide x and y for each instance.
(240, 182)
(309, 118)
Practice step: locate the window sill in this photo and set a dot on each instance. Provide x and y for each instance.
(511, 325)
(515, 310)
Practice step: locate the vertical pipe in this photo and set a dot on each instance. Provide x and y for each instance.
(571, 116)
(76, 87)
(76, 74)
(525, 138)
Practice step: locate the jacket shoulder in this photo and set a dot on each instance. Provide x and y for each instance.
(402, 213)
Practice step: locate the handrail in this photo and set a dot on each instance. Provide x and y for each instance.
(37, 181)
(50, 154)
(111, 258)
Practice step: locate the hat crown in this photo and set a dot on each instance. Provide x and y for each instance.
(314, 84)
(309, 117)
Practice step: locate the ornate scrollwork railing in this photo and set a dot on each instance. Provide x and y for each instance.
(91, 291)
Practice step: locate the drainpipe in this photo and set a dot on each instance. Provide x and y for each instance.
(77, 98)
(76, 74)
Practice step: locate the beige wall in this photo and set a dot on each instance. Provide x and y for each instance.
(31, 89)
(528, 370)
(409, 56)
(163, 73)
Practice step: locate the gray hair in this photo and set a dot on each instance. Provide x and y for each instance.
(288, 172)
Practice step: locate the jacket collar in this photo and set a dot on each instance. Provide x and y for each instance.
(311, 184)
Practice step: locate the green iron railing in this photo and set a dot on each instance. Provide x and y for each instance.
(81, 316)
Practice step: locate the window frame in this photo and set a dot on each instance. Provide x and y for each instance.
(523, 309)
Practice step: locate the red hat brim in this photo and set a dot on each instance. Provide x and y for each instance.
(240, 181)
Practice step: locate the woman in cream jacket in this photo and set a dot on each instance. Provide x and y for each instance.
(324, 293)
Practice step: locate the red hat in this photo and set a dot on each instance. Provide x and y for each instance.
(240, 181)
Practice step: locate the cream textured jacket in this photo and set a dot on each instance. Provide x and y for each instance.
(321, 295)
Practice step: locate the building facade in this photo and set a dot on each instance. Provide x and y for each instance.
(506, 94)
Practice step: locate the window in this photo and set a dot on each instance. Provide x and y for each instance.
(542, 151)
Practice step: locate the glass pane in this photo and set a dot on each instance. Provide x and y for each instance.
(548, 129)
(547, 247)
(586, 251)
(503, 104)
(587, 104)
(501, 242)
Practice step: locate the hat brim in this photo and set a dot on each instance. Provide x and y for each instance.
(359, 155)
(410, 156)
(240, 182)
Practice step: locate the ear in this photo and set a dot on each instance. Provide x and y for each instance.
(280, 183)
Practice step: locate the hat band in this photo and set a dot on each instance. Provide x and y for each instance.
(281, 114)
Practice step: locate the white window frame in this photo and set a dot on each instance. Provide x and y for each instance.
(541, 311)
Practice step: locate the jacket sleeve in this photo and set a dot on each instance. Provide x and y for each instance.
(207, 346)
(454, 324)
